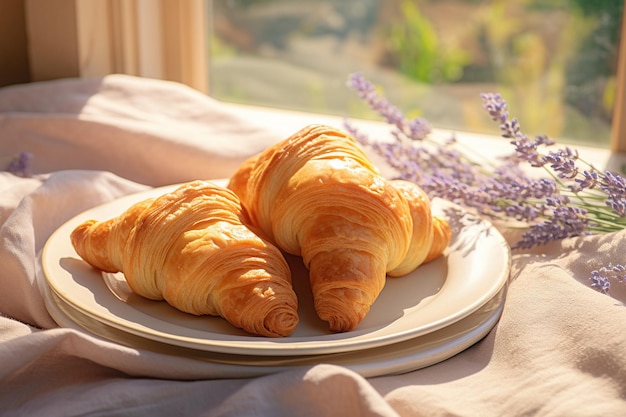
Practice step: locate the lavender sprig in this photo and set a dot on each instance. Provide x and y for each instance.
(20, 165)
(415, 129)
(598, 198)
(601, 278)
(573, 198)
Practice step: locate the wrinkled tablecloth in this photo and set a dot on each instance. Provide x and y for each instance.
(559, 348)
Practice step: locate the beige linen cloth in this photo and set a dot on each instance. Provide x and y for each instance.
(559, 348)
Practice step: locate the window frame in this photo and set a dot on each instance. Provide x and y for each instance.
(164, 39)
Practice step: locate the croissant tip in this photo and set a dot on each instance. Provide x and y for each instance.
(79, 235)
(340, 325)
(280, 323)
(79, 231)
(341, 321)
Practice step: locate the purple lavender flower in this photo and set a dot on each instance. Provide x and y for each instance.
(563, 162)
(21, 165)
(600, 282)
(415, 129)
(601, 278)
(563, 221)
(418, 128)
(498, 110)
(615, 188)
(588, 181)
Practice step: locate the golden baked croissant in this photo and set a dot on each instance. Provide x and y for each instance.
(192, 248)
(318, 196)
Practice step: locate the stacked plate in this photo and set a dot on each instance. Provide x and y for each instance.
(420, 319)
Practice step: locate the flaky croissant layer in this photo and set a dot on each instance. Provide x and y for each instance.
(317, 195)
(192, 248)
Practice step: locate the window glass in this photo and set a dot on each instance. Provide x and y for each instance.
(554, 61)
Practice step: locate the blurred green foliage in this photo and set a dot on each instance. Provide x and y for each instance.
(418, 51)
(553, 60)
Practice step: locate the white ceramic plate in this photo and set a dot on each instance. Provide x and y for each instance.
(473, 270)
(396, 358)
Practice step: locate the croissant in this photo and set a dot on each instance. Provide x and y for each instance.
(317, 195)
(192, 248)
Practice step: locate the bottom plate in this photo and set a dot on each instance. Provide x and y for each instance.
(391, 359)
